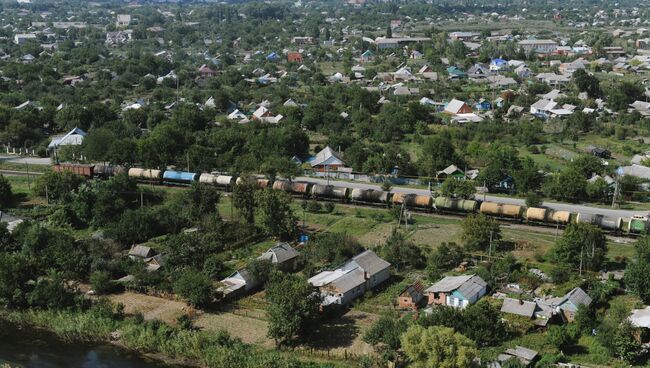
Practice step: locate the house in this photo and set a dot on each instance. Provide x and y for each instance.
(123, 20)
(539, 314)
(523, 71)
(546, 108)
(273, 56)
(343, 285)
(526, 356)
(598, 151)
(455, 107)
(294, 57)
(141, 252)
(415, 54)
(463, 36)
(302, 40)
(640, 320)
(237, 284)
(456, 73)
(411, 296)
(367, 56)
(206, 72)
(21, 38)
(568, 304)
(451, 171)
(570, 68)
(538, 46)
(498, 64)
(639, 171)
(327, 160)
(478, 71)
(483, 105)
(73, 138)
(457, 291)
(238, 115)
(282, 255)
(553, 79)
(263, 114)
(118, 37)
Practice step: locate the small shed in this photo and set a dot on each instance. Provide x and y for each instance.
(411, 296)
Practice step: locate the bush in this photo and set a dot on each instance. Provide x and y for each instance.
(101, 282)
(314, 206)
(6, 195)
(329, 207)
(195, 286)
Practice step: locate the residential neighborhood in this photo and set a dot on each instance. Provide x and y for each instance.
(324, 184)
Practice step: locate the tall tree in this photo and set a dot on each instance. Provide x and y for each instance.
(437, 347)
(581, 245)
(293, 307)
(276, 216)
(637, 274)
(243, 198)
(478, 231)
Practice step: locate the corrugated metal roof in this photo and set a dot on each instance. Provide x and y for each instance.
(518, 307)
(349, 281)
(370, 262)
(448, 284)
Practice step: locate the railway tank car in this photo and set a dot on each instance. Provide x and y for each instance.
(604, 222)
(217, 180)
(145, 174)
(454, 205)
(107, 171)
(298, 188)
(412, 200)
(371, 196)
(330, 192)
(510, 211)
(179, 177)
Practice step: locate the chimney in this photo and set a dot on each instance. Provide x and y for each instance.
(521, 302)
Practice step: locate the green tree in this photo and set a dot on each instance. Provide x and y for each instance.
(97, 144)
(57, 186)
(483, 324)
(401, 252)
(478, 231)
(637, 274)
(587, 83)
(533, 200)
(276, 216)
(293, 307)
(244, 198)
(453, 187)
(195, 286)
(6, 195)
(438, 152)
(437, 347)
(560, 337)
(626, 346)
(568, 185)
(203, 199)
(527, 178)
(385, 333)
(581, 244)
(101, 282)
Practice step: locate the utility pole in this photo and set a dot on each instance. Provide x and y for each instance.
(615, 192)
(188, 161)
(580, 270)
(484, 192)
(490, 251)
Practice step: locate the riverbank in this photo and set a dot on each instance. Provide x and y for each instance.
(155, 339)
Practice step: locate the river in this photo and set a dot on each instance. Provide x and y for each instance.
(41, 349)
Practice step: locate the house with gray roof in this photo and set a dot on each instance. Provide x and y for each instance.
(283, 255)
(237, 284)
(540, 314)
(457, 291)
(343, 285)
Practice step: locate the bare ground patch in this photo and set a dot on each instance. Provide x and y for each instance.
(150, 306)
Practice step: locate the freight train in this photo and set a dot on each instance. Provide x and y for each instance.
(534, 216)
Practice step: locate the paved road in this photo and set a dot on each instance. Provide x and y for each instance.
(577, 208)
(26, 160)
